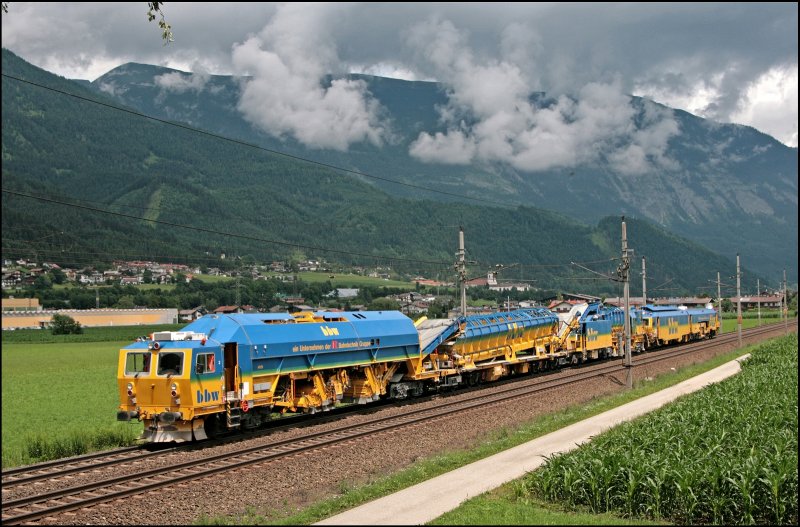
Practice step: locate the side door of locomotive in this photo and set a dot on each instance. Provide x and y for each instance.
(207, 382)
(231, 371)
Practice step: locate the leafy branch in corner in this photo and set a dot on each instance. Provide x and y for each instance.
(155, 8)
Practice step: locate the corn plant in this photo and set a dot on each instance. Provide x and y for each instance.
(725, 455)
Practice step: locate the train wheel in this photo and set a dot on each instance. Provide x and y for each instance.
(211, 425)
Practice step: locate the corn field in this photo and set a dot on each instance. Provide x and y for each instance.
(724, 455)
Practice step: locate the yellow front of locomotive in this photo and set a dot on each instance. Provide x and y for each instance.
(154, 381)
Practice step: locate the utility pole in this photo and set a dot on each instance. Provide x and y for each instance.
(623, 271)
(758, 298)
(97, 297)
(738, 300)
(239, 283)
(785, 305)
(461, 269)
(238, 290)
(644, 282)
(719, 304)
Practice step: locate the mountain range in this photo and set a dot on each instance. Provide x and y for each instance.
(742, 198)
(728, 187)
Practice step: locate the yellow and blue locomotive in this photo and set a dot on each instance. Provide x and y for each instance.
(231, 371)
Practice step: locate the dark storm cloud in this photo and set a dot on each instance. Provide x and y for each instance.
(720, 60)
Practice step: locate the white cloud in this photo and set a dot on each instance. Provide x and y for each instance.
(767, 103)
(452, 148)
(286, 96)
(491, 117)
(178, 82)
(770, 102)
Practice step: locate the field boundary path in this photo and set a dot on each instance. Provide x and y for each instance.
(436, 496)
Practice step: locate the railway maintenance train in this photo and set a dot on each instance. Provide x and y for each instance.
(227, 372)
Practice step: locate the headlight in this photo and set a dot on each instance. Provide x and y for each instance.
(174, 389)
(130, 390)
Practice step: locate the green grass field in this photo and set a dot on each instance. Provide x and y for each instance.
(153, 287)
(212, 279)
(729, 325)
(60, 400)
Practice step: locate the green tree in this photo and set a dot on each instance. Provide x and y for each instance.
(439, 308)
(384, 304)
(58, 276)
(65, 325)
(42, 282)
(125, 302)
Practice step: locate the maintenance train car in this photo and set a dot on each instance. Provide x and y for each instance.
(594, 331)
(496, 344)
(225, 372)
(663, 325)
(232, 371)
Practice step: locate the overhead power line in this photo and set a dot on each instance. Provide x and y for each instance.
(607, 277)
(436, 264)
(257, 147)
(222, 233)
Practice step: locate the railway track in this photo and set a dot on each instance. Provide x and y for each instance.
(59, 468)
(45, 504)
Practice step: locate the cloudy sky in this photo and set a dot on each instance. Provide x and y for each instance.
(730, 62)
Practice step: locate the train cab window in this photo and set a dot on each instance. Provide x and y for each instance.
(136, 363)
(204, 363)
(170, 363)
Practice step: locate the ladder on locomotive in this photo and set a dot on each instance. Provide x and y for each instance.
(233, 415)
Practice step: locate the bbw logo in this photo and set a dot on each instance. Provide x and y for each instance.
(206, 397)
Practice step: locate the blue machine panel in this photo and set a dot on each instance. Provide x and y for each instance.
(278, 343)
